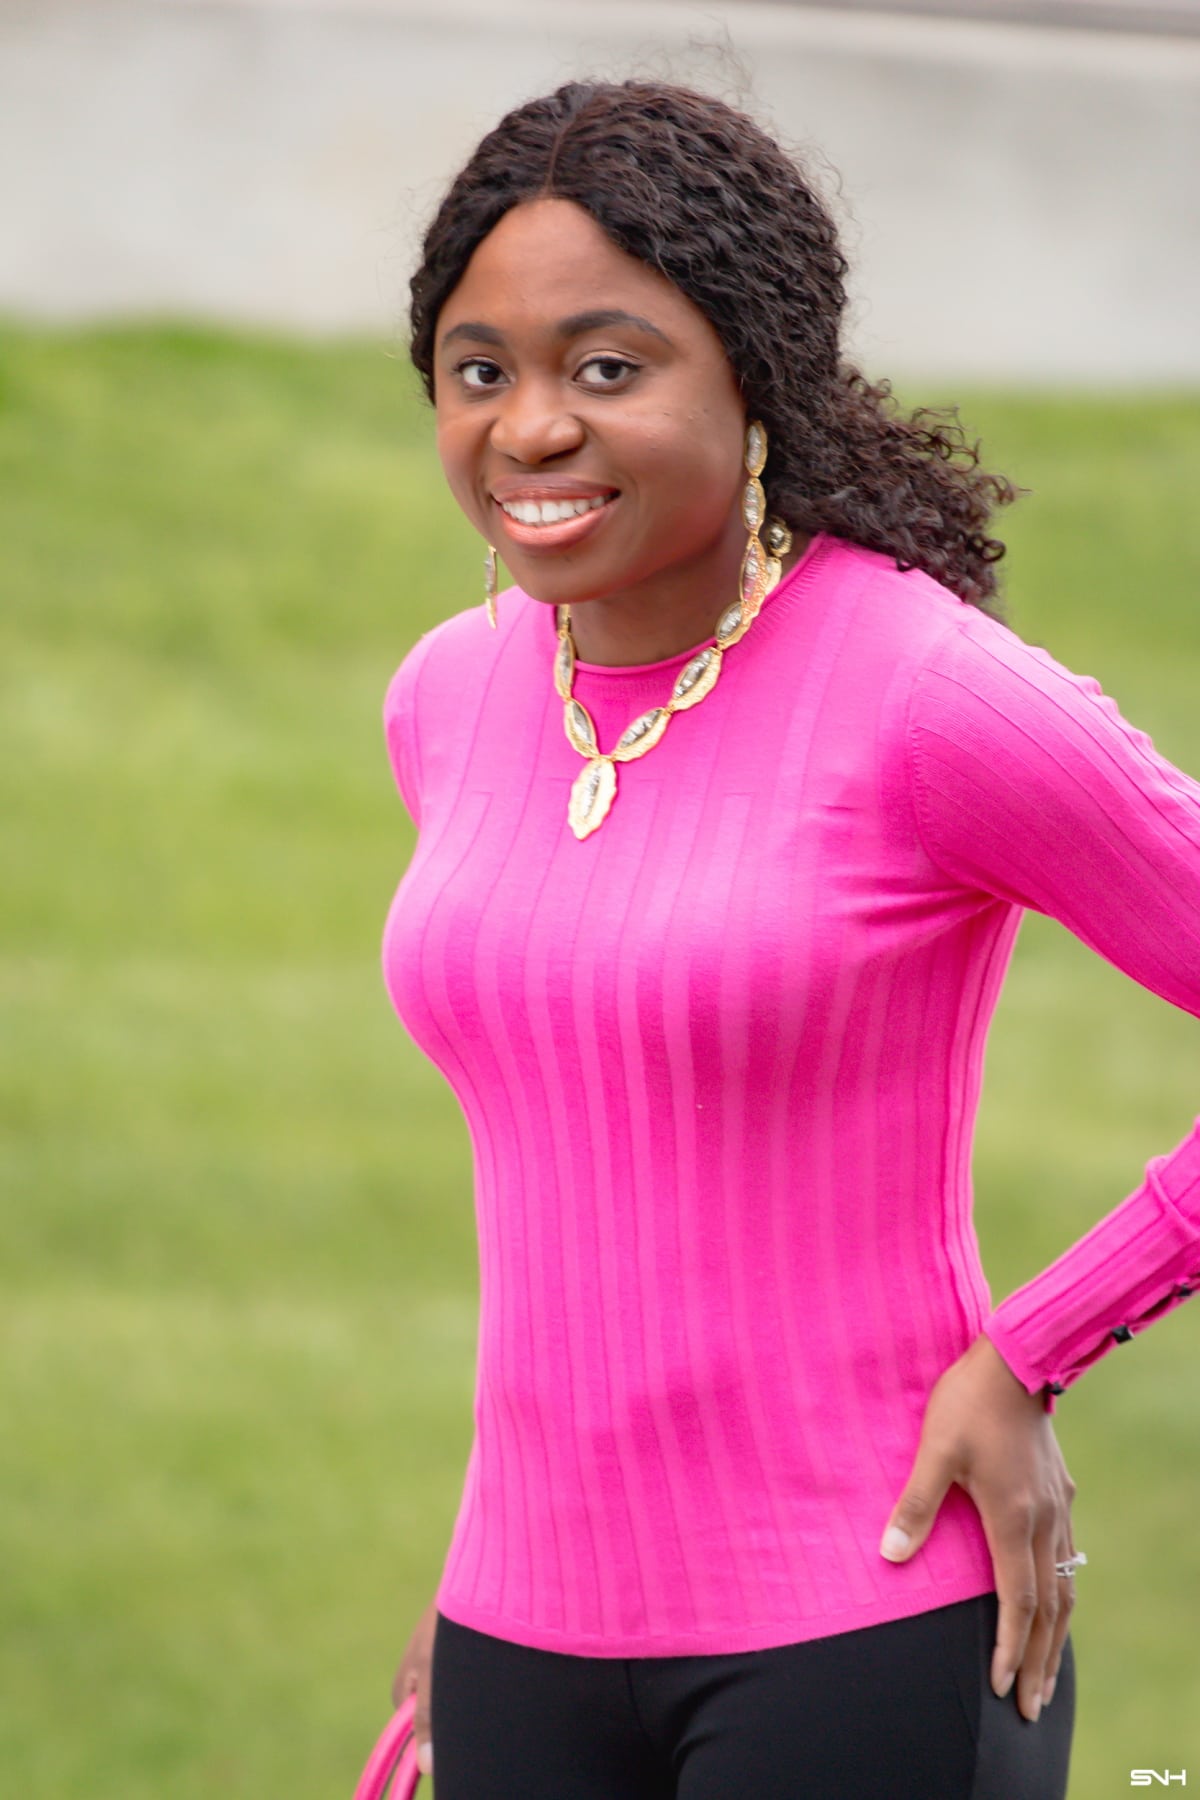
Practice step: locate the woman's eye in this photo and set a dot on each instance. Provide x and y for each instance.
(477, 373)
(606, 371)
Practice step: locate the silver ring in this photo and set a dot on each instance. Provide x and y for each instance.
(1072, 1563)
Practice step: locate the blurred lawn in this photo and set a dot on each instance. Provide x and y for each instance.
(237, 1248)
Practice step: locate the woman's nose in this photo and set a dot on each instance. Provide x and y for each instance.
(532, 425)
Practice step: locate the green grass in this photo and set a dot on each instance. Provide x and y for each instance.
(237, 1261)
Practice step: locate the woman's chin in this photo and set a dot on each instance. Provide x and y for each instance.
(562, 587)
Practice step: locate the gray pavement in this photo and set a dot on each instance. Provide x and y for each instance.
(1019, 201)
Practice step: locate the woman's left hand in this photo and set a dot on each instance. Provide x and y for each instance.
(983, 1431)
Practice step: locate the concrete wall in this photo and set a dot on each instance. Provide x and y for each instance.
(1019, 201)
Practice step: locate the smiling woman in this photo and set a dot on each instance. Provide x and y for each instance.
(762, 1484)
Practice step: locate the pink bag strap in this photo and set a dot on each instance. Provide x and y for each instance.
(395, 1753)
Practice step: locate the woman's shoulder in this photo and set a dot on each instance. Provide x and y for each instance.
(921, 627)
(894, 616)
(938, 668)
(450, 658)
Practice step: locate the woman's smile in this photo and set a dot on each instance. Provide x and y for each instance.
(550, 516)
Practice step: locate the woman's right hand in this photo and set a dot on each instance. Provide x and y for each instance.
(415, 1676)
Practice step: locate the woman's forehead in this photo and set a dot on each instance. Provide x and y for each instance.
(547, 262)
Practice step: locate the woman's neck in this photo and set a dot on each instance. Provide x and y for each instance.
(658, 620)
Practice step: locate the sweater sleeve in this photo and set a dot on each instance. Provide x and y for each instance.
(400, 728)
(1030, 786)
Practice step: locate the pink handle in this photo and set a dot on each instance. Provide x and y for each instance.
(395, 1752)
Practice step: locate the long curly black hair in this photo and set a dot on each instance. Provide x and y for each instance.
(695, 189)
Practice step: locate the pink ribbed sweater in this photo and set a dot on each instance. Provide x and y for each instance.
(720, 1064)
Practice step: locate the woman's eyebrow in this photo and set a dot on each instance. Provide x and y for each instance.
(596, 319)
(478, 334)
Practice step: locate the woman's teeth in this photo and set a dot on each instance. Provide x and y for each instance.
(550, 512)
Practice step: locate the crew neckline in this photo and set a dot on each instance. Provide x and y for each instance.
(796, 577)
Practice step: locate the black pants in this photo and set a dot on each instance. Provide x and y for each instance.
(902, 1711)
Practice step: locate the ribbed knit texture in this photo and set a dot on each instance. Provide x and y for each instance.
(720, 1064)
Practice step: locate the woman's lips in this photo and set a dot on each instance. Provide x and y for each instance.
(559, 534)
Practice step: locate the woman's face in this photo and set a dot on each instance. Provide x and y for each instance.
(588, 421)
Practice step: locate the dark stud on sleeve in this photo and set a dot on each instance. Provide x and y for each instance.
(1122, 1334)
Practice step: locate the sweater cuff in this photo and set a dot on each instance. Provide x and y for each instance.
(1141, 1261)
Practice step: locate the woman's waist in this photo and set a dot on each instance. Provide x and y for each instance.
(611, 1350)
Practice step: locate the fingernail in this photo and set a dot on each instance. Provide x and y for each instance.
(1048, 1690)
(1004, 1688)
(895, 1544)
(425, 1757)
(1035, 1710)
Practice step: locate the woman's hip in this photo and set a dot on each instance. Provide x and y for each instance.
(900, 1711)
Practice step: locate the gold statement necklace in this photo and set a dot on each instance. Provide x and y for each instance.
(595, 787)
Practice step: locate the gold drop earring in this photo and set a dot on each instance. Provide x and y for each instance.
(490, 584)
(761, 566)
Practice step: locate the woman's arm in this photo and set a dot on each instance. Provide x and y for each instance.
(399, 728)
(1028, 785)
(415, 1676)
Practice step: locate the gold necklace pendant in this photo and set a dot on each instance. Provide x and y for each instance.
(595, 787)
(592, 793)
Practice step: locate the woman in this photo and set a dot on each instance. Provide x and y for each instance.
(724, 839)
